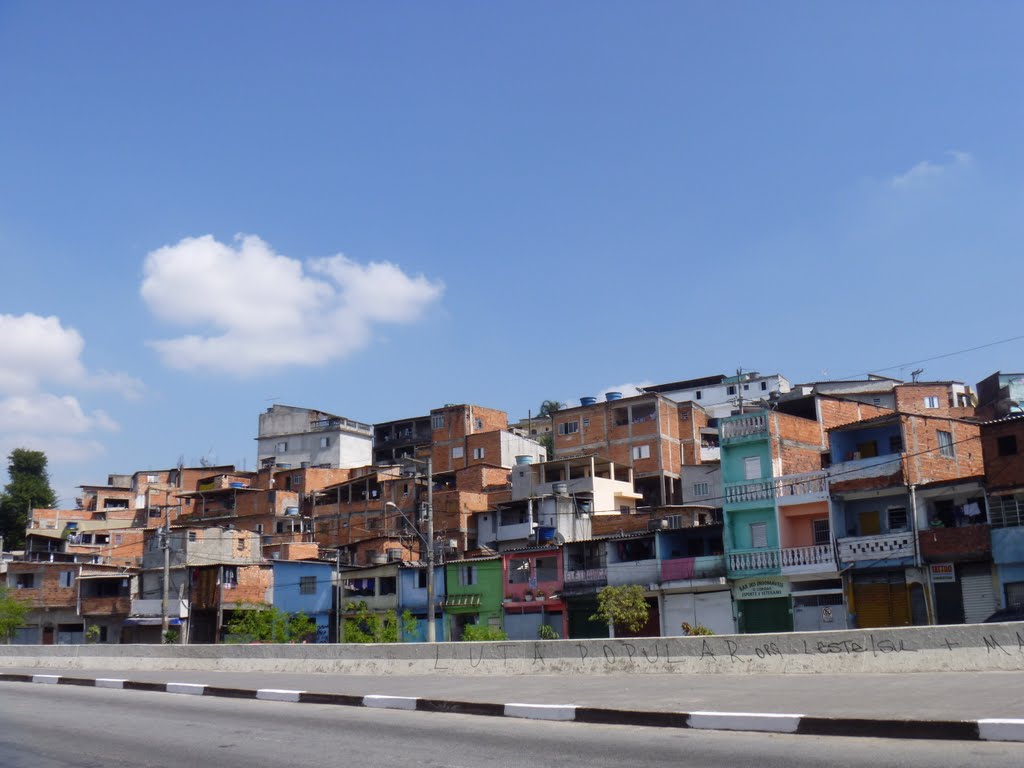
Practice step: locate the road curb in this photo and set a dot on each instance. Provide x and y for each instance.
(984, 729)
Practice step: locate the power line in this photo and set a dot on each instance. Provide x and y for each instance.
(930, 359)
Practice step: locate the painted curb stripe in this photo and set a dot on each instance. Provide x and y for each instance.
(110, 682)
(229, 693)
(46, 679)
(138, 685)
(337, 699)
(85, 681)
(9, 677)
(391, 702)
(277, 694)
(946, 730)
(745, 721)
(994, 729)
(541, 711)
(460, 707)
(600, 716)
(191, 689)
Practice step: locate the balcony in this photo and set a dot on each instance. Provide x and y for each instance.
(150, 607)
(748, 426)
(875, 472)
(106, 606)
(749, 562)
(634, 572)
(710, 453)
(819, 558)
(788, 489)
(877, 549)
(690, 568)
(968, 542)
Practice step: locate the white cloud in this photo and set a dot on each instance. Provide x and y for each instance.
(59, 449)
(255, 310)
(35, 349)
(628, 389)
(926, 171)
(44, 413)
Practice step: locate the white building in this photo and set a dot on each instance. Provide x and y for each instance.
(722, 395)
(303, 437)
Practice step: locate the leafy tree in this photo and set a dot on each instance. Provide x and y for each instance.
(13, 611)
(266, 624)
(695, 629)
(372, 627)
(475, 633)
(622, 607)
(29, 488)
(548, 408)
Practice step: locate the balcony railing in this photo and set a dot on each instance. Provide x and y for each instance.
(890, 546)
(787, 489)
(819, 557)
(106, 606)
(753, 560)
(749, 425)
(686, 568)
(710, 453)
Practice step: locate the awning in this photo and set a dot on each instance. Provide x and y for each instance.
(149, 621)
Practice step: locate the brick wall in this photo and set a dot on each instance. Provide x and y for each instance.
(926, 464)
(461, 421)
(910, 398)
(47, 591)
(1003, 472)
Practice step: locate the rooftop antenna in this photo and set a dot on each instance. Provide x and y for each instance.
(914, 375)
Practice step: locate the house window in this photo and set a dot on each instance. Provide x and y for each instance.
(118, 539)
(897, 517)
(155, 513)
(931, 402)
(819, 528)
(764, 386)
(699, 394)
(282, 447)
(478, 453)
(421, 578)
(478, 423)
(746, 387)
(437, 421)
(191, 535)
(307, 585)
(230, 576)
(945, 444)
(586, 421)
(895, 444)
(325, 442)
(700, 489)
(259, 528)
(25, 581)
(1007, 445)
(373, 524)
(518, 570)
(568, 427)
(457, 452)
(730, 390)
(876, 401)
(241, 544)
(758, 535)
(387, 585)
(152, 478)
(641, 451)
(467, 575)
(752, 468)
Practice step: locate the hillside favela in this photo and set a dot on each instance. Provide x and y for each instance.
(724, 504)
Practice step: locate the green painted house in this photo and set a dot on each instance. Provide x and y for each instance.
(474, 594)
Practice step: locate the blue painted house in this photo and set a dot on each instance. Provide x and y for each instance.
(412, 597)
(306, 586)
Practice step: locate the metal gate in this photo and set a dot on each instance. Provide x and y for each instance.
(979, 592)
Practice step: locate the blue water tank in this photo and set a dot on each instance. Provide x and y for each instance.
(545, 534)
(588, 400)
(613, 396)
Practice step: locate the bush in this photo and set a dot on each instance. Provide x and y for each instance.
(624, 606)
(482, 633)
(696, 629)
(547, 632)
(371, 627)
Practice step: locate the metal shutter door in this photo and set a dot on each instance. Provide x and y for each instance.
(871, 602)
(979, 593)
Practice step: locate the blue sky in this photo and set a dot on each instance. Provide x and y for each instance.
(378, 208)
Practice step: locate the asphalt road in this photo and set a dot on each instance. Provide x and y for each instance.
(66, 726)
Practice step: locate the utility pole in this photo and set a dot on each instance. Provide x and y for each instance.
(431, 629)
(165, 543)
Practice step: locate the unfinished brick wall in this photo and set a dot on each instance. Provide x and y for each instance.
(692, 418)
(1006, 471)
(46, 591)
(925, 462)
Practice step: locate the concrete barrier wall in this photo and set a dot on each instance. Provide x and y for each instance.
(972, 647)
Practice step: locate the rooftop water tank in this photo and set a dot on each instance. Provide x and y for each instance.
(588, 400)
(613, 396)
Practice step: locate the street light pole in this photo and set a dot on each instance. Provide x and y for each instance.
(431, 629)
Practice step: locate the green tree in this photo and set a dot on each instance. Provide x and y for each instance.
(13, 611)
(475, 633)
(266, 624)
(622, 607)
(29, 488)
(368, 626)
(548, 408)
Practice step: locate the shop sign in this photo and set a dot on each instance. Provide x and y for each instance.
(760, 587)
(943, 572)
